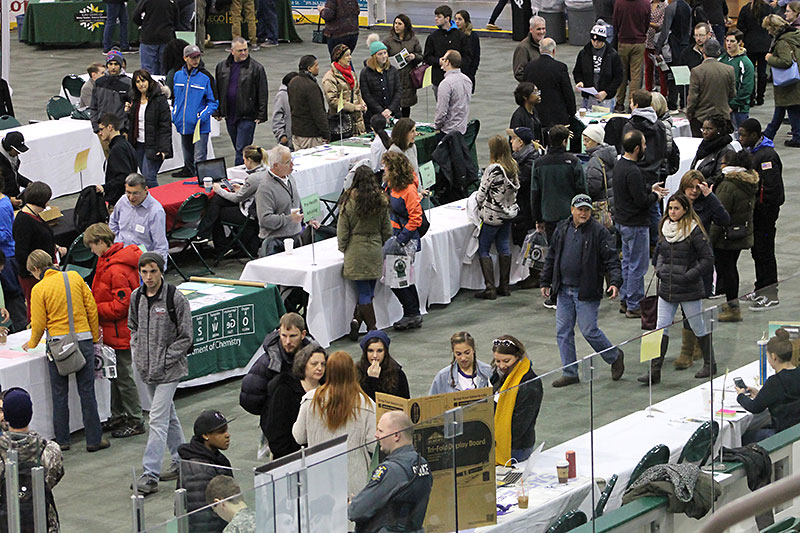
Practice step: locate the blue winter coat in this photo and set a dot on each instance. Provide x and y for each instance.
(194, 97)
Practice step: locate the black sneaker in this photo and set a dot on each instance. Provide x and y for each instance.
(762, 303)
(197, 239)
(549, 303)
(130, 430)
(113, 423)
(182, 173)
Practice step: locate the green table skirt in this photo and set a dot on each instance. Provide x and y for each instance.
(219, 25)
(60, 23)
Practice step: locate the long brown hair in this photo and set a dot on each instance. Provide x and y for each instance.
(398, 171)
(390, 369)
(368, 198)
(689, 216)
(400, 132)
(500, 153)
(337, 400)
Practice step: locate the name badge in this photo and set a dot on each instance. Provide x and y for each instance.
(139, 228)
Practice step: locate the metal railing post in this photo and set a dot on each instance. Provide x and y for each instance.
(12, 491)
(137, 503)
(39, 500)
(180, 511)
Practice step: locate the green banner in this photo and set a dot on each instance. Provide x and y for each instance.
(67, 22)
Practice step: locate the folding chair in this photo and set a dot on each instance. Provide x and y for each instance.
(78, 257)
(184, 228)
(658, 455)
(568, 521)
(59, 107)
(700, 444)
(603, 500)
(8, 122)
(237, 233)
(72, 85)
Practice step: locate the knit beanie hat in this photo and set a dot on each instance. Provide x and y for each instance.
(375, 334)
(374, 44)
(152, 257)
(595, 132)
(338, 51)
(17, 407)
(115, 55)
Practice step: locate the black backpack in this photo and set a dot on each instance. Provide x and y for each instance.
(25, 493)
(89, 209)
(173, 315)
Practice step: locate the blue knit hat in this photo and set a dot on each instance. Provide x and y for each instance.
(17, 408)
(115, 55)
(375, 334)
(376, 47)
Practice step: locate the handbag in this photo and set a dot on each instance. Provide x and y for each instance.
(600, 208)
(318, 35)
(341, 123)
(737, 232)
(649, 308)
(418, 75)
(65, 352)
(783, 77)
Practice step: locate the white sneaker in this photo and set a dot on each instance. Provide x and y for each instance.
(762, 303)
(749, 297)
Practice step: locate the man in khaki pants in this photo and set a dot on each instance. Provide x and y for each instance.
(631, 20)
(249, 7)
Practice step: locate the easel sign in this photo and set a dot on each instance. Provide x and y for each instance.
(311, 210)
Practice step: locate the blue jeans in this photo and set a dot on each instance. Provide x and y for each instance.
(756, 435)
(635, 255)
(59, 389)
(267, 27)
(150, 56)
(655, 220)
(499, 235)
(148, 167)
(777, 119)
(116, 12)
(737, 119)
(366, 290)
(693, 311)
(241, 132)
(568, 309)
(165, 428)
(193, 152)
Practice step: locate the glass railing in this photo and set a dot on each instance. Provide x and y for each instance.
(528, 455)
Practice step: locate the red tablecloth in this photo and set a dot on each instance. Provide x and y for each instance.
(172, 195)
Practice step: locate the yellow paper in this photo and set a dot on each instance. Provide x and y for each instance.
(651, 346)
(81, 161)
(196, 136)
(340, 105)
(426, 78)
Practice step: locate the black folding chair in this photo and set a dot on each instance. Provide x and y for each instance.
(185, 226)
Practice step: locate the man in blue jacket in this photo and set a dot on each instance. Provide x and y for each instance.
(195, 102)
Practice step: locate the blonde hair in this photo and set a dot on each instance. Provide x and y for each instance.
(39, 260)
(658, 103)
(774, 24)
(500, 153)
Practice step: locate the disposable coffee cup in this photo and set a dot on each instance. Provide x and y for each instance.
(562, 469)
(295, 210)
(582, 112)
(288, 245)
(207, 183)
(522, 501)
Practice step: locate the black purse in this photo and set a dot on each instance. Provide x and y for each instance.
(341, 124)
(318, 35)
(737, 232)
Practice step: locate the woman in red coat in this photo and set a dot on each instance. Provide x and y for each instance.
(117, 275)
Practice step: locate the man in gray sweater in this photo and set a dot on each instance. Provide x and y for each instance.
(455, 92)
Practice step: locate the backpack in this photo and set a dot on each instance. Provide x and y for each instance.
(173, 315)
(25, 494)
(89, 209)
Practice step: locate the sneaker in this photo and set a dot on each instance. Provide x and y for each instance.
(197, 239)
(269, 44)
(182, 173)
(130, 430)
(565, 381)
(633, 313)
(408, 322)
(549, 303)
(170, 474)
(715, 296)
(97, 447)
(749, 297)
(130, 50)
(113, 423)
(792, 143)
(146, 485)
(493, 27)
(762, 303)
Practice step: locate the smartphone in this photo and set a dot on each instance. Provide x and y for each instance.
(739, 382)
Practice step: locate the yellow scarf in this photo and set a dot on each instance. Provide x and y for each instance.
(505, 411)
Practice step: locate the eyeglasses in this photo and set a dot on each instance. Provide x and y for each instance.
(537, 92)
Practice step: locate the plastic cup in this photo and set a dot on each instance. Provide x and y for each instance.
(522, 501)
(582, 112)
(562, 469)
(207, 183)
(3, 336)
(288, 245)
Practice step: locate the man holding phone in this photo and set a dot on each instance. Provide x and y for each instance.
(581, 250)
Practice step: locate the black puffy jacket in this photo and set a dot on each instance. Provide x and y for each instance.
(611, 72)
(196, 471)
(681, 265)
(708, 159)
(286, 392)
(109, 96)
(157, 126)
(252, 94)
(526, 408)
(380, 90)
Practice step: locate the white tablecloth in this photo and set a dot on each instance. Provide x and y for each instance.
(439, 269)
(620, 445)
(680, 125)
(30, 372)
(318, 170)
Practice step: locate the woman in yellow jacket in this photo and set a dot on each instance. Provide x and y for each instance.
(341, 82)
(49, 312)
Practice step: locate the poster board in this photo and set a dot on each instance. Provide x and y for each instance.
(475, 462)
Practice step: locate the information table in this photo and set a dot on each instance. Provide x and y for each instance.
(172, 195)
(425, 143)
(66, 22)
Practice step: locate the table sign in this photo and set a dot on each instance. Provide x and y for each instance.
(681, 74)
(311, 207)
(427, 175)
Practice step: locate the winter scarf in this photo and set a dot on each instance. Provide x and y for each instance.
(671, 231)
(716, 144)
(505, 411)
(347, 73)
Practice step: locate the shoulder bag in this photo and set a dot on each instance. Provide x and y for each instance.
(418, 75)
(600, 208)
(65, 352)
(341, 123)
(783, 77)
(318, 35)
(649, 307)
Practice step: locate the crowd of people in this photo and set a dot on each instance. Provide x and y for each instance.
(605, 215)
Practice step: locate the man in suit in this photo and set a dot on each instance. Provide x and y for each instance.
(711, 86)
(551, 76)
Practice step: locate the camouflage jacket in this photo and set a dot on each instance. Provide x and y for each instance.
(243, 522)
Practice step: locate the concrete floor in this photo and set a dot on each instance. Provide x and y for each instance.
(94, 494)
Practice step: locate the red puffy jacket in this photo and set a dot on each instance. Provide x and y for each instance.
(117, 275)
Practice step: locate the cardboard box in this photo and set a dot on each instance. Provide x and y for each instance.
(50, 213)
(474, 456)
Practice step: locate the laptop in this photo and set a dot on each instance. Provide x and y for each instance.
(212, 168)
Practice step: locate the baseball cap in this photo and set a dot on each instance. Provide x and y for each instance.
(16, 141)
(191, 50)
(582, 200)
(525, 134)
(599, 30)
(209, 421)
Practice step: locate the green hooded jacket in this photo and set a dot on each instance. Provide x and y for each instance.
(745, 80)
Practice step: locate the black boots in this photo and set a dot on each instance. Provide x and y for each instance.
(505, 273)
(656, 364)
(709, 364)
(355, 324)
(365, 313)
(531, 282)
(487, 267)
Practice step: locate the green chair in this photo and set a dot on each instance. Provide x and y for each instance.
(568, 521)
(470, 138)
(603, 500)
(184, 228)
(784, 526)
(8, 122)
(59, 107)
(658, 455)
(72, 85)
(80, 259)
(698, 447)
